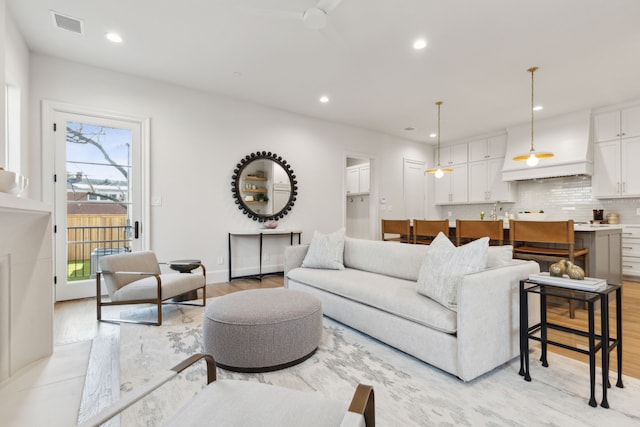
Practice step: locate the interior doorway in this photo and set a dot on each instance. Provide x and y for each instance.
(358, 197)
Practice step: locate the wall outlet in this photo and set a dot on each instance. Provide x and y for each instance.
(389, 208)
(637, 211)
(220, 260)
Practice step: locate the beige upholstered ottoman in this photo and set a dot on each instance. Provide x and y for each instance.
(262, 330)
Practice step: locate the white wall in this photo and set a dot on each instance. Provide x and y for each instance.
(196, 141)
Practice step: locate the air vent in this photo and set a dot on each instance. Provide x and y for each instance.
(68, 23)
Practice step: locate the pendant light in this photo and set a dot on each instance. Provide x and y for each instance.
(438, 170)
(532, 157)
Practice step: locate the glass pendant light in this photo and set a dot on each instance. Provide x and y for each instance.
(532, 157)
(439, 171)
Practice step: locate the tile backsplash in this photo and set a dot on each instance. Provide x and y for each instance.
(561, 198)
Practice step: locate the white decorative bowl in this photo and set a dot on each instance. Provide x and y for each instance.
(532, 216)
(7, 181)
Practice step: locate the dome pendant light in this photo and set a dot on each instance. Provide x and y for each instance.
(532, 157)
(438, 170)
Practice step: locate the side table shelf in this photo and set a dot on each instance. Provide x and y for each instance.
(603, 342)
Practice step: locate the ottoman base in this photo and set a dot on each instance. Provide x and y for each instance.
(266, 368)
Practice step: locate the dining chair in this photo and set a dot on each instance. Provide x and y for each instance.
(424, 231)
(548, 241)
(400, 229)
(467, 230)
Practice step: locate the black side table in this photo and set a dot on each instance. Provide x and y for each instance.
(185, 266)
(603, 342)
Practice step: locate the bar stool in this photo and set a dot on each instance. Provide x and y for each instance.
(467, 230)
(424, 231)
(401, 227)
(528, 238)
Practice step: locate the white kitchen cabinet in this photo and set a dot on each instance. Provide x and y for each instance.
(485, 182)
(631, 250)
(452, 187)
(488, 148)
(357, 179)
(452, 155)
(617, 124)
(615, 168)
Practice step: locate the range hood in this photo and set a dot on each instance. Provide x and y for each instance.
(566, 136)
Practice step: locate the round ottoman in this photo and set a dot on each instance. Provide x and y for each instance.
(262, 330)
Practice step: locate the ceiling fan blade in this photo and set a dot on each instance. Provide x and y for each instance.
(328, 5)
(272, 13)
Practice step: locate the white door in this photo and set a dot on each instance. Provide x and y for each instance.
(413, 183)
(606, 169)
(478, 185)
(630, 152)
(98, 196)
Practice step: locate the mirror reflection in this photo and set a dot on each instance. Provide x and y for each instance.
(264, 186)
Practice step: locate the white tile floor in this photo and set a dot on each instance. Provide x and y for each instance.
(47, 392)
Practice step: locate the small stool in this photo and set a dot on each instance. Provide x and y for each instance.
(262, 330)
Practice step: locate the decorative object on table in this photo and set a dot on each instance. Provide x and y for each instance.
(271, 224)
(439, 171)
(558, 269)
(564, 266)
(184, 265)
(7, 180)
(586, 284)
(532, 157)
(481, 215)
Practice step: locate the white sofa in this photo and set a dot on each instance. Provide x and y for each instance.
(376, 294)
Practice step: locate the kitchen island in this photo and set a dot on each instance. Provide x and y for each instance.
(604, 242)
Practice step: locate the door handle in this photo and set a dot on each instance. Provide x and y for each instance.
(136, 230)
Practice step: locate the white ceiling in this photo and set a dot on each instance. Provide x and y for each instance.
(478, 52)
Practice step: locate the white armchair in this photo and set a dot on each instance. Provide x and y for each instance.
(135, 278)
(235, 403)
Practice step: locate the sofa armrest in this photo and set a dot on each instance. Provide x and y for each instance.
(489, 317)
(293, 257)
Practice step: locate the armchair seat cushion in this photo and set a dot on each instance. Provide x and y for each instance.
(224, 403)
(173, 284)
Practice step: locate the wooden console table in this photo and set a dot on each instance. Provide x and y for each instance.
(260, 234)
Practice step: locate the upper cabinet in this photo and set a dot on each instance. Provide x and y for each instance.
(357, 179)
(616, 173)
(486, 157)
(616, 150)
(617, 124)
(452, 189)
(452, 154)
(488, 148)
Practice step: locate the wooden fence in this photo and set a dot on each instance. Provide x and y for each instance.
(85, 233)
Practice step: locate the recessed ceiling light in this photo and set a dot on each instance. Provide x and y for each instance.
(324, 99)
(433, 135)
(538, 108)
(419, 44)
(409, 129)
(114, 37)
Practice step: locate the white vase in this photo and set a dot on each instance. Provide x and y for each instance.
(7, 181)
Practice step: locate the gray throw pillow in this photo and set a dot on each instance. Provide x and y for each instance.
(326, 251)
(499, 255)
(445, 265)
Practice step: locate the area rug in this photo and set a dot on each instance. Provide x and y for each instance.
(408, 392)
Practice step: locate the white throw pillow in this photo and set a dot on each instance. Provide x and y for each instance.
(499, 255)
(444, 266)
(326, 251)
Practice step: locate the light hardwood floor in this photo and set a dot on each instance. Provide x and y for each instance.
(75, 321)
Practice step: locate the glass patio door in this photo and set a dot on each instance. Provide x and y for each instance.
(98, 190)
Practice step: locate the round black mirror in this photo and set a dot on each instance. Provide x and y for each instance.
(264, 186)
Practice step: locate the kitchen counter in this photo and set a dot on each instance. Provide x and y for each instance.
(604, 242)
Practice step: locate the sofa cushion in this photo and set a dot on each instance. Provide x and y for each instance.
(499, 255)
(389, 258)
(393, 295)
(326, 251)
(445, 265)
